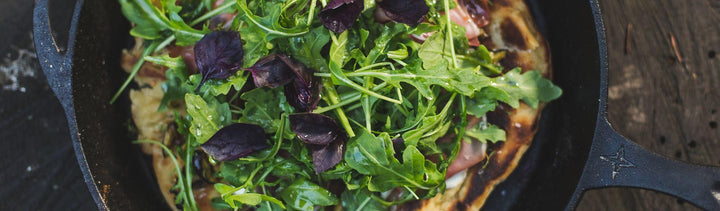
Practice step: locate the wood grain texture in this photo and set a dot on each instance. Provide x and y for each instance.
(666, 106)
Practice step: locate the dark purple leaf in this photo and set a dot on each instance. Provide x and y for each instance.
(302, 96)
(271, 71)
(316, 129)
(218, 55)
(304, 92)
(398, 146)
(325, 157)
(276, 70)
(235, 141)
(339, 15)
(410, 12)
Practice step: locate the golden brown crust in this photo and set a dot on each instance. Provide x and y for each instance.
(512, 30)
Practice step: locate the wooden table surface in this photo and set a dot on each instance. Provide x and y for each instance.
(664, 82)
(664, 91)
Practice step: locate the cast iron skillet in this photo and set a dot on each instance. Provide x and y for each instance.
(575, 149)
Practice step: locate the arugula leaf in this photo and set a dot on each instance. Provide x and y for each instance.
(430, 129)
(235, 173)
(238, 194)
(216, 87)
(270, 22)
(255, 44)
(370, 155)
(261, 107)
(304, 195)
(382, 42)
(148, 26)
(338, 50)
(484, 132)
(530, 87)
(307, 48)
(152, 21)
(438, 47)
(167, 61)
(290, 168)
(360, 200)
(486, 100)
(207, 118)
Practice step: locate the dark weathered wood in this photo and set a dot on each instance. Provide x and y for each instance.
(667, 106)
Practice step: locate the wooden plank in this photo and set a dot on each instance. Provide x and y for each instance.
(667, 106)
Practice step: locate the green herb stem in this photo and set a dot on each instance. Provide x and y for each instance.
(366, 104)
(188, 197)
(214, 12)
(164, 43)
(135, 70)
(340, 76)
(351, 98)
(188, 172)
(379, 64)
(311, 13)
(449, 33)
(334, 99)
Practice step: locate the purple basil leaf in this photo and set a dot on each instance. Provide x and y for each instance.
(235, 141)
(339, 15)
(218, 55)
(277, 69)
(302, 96)
(316, 129)
(410, 12)
(271, 71)
(325, 157)
(304, 92)
(301, 71)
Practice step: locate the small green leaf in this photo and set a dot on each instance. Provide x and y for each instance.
(374, 156)
(529, 87)
(263, 107)
(338, 50)
(305, 195)
(486, 133)
(360, 200)
(307, 49)
(232, 194)
(216, 87)
(167, 61)
(400, 53)
(255, 45)
(270, 22)
(206, 118)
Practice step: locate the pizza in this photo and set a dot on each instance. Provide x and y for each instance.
(398, 104)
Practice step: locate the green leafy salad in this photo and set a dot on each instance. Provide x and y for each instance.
(312, 104)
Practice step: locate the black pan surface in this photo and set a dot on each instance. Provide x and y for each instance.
(548, 177)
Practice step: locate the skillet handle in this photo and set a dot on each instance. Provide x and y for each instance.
(56, 65)
(615, 161)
